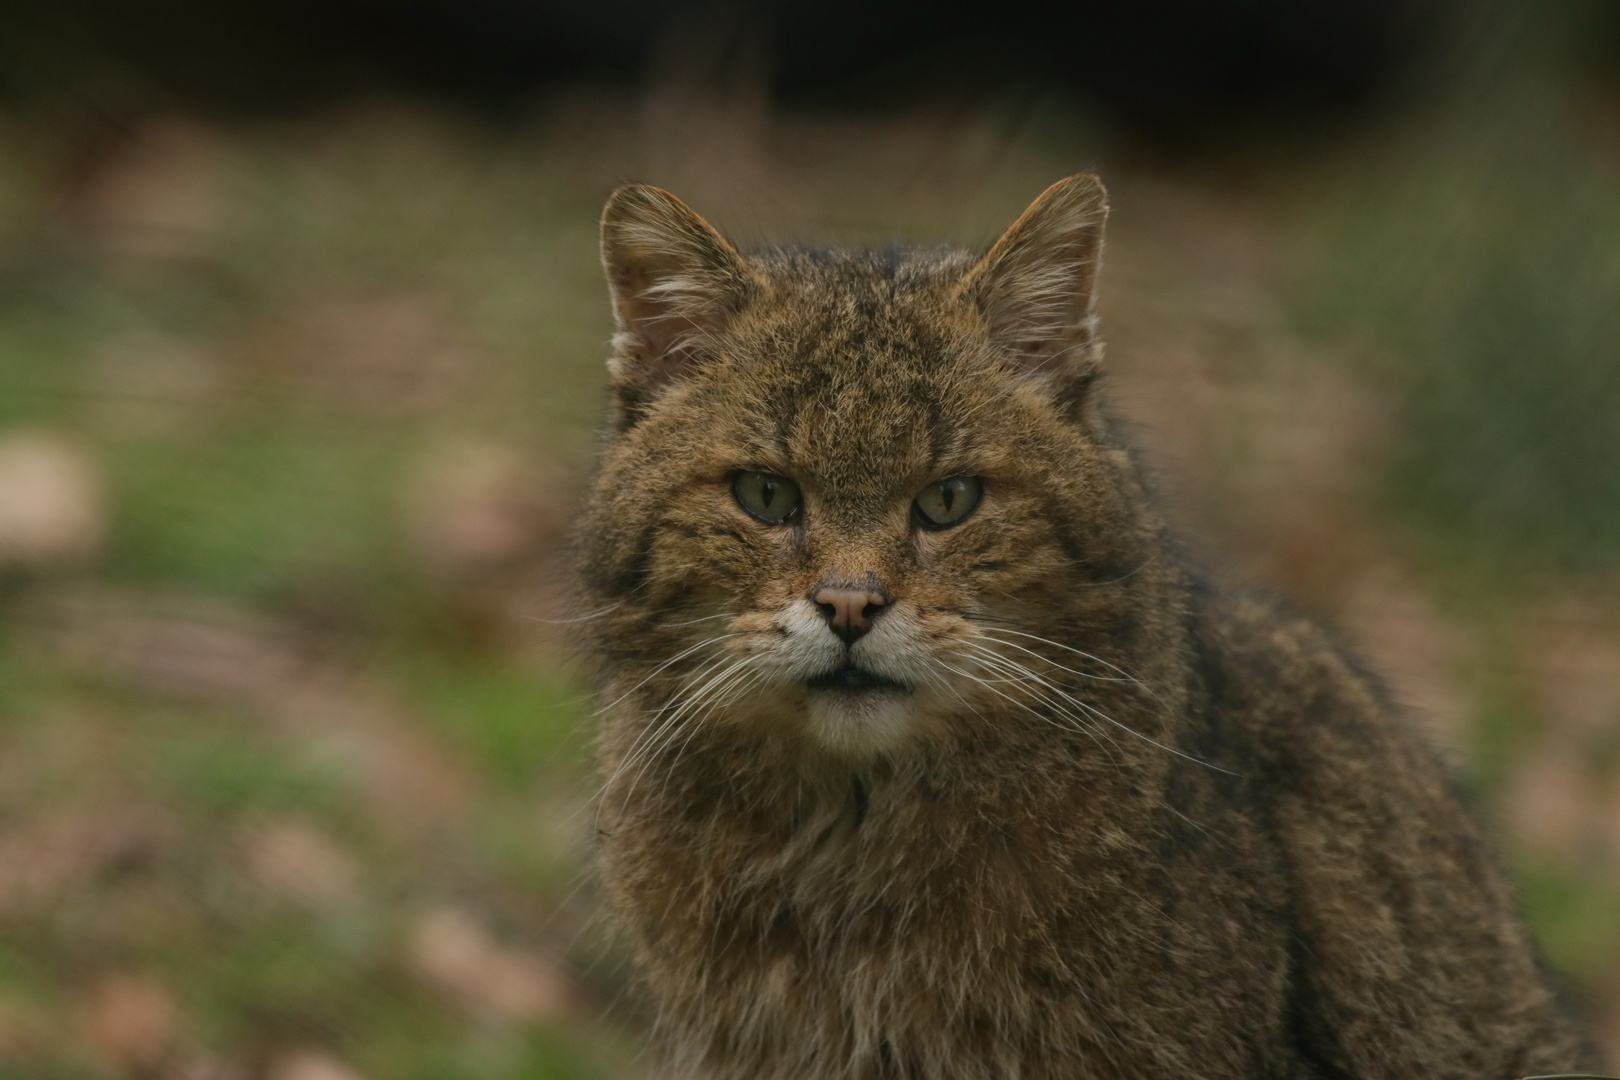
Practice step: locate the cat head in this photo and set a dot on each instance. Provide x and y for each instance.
(847, 495)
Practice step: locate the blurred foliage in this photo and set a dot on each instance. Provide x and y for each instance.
(1475, 262)
(279, 726)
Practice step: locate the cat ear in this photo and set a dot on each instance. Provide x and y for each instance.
(1037, 286)
(674, 281)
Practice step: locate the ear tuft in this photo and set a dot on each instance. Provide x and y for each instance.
(1037, 286)
(674, 281)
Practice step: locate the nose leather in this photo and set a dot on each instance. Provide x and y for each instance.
(849, 611)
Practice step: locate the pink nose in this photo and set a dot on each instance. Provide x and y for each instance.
(849, 611)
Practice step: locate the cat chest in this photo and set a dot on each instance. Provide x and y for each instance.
(840, 941)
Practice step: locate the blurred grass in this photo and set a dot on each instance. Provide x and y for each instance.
(1475, 263)
(302, 706)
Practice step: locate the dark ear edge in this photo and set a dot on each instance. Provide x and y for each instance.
(673, 280)
(1037, 286)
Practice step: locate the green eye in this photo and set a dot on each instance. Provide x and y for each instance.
(772, 499)
(948, 502)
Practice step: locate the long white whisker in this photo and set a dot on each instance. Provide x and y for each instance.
(1019, 704)
(1060, 697)
(735, 688)
(940, 681)
(677, 699)
(597, 614)
(1069, 721)
(655, 671)
(985, 628)
(1100, 715)
(657, 721)
(688, 711)
(1054, 663)
(694, 622)
(1028, 680)
(1044, 692)
(1123, 675)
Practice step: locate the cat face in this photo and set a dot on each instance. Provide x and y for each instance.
(848, 492)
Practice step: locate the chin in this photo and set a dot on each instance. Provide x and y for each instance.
(863, 721)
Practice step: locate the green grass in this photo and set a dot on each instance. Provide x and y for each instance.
(1475, 267)
(262, 482)
(226, 768)
(1572, 906)
(515, 722)
(267, 509)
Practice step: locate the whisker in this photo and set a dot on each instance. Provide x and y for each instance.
(597, 614)
(735, 689)
(1042, 690)
(696, 685)
(715, 685)
(1070, 721)
(1098, 713)
(694, 622)
(1054, 696)
(1054, 663)
(658, 722)
(941, 682)
(677, 698)
(655, 671)
(988, 686)
(1123, 675)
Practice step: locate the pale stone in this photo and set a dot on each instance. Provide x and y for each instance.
(52, 506)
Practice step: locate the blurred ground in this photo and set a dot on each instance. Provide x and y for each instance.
(294, 771)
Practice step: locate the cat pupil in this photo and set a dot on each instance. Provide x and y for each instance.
(767, 494)
(947, 494)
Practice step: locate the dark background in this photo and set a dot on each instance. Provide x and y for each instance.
(1167, 69)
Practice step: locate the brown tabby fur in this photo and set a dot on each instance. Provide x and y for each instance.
(1183, 837)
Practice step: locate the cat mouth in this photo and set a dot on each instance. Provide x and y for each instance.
(850, 677)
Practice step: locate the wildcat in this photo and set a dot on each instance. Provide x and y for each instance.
(927, 757)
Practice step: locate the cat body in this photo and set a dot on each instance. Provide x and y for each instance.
(903, 787)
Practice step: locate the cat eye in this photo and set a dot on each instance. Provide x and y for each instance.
(947, 502)
(772, 499)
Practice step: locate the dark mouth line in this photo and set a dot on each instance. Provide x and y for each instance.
(850, 677)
